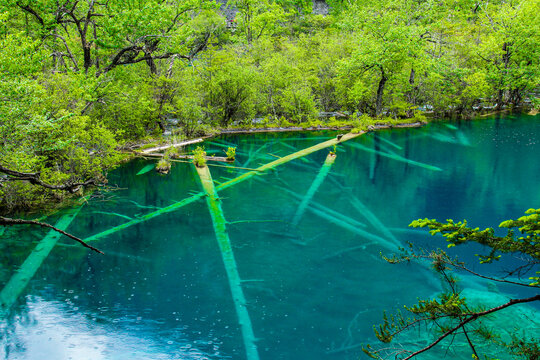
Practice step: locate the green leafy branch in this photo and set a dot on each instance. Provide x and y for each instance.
(450, 313)
(459, 233)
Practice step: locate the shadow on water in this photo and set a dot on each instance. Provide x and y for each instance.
(314, 285)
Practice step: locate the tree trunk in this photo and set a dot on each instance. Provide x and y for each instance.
(96, 46)
(412, 93)
(151, 63)
(87, 57)
(515, 97)
(500, 94)
(506, 62)
(380, 92)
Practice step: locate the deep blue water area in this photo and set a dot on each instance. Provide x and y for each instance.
(314, 290)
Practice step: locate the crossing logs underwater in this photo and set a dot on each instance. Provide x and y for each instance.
(395, 157)
(225, 185)
(190, 157)
(338, 219)
(325, 169)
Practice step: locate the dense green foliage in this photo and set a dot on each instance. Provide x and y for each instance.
(80, 78)
(451, 314)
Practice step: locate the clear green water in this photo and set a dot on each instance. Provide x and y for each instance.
(161, 290)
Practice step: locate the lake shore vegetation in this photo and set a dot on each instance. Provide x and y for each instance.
(82, 80)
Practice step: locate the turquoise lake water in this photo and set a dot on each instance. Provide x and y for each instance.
(314, 290)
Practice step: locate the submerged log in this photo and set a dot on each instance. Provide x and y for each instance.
(390, 143)
(374, 220)
(325, 169)
(146, 169)
(146, 217)
(344, 222)
(252, 155)
(288, 158)
(220, 229)
(229, 183)
(396, 157)
(18, 281)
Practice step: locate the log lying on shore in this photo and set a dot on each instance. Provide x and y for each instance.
(165, 147)
(208, 158)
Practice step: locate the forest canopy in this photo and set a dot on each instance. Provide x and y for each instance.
(80, 79)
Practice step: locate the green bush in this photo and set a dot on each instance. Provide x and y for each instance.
(231, 153)
(199, 157)
(164, 165)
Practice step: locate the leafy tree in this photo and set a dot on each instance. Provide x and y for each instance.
(186, 101)
(509, 48)
(90, 34)
(257, 18)
(451, 314)
(228, 88)
(120, 69)
(388, 44)
(75, 81)
(327, 48)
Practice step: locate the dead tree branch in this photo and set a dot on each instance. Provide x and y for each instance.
(34, 179)
(9, 221)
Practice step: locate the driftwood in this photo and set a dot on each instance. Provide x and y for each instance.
(146, 217)
(343, 222)
(398, 147)
(395, 157)
(289, 158)
(4, 221)
(373, 220)
(252, 155)
(208, 158)
(222, 186)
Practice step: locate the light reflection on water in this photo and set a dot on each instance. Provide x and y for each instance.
(55, 330)
(161, 291)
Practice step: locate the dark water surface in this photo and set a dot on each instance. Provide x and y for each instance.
(313, 290)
